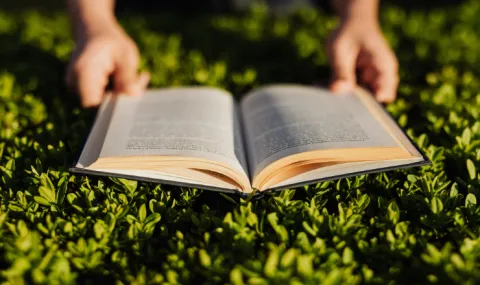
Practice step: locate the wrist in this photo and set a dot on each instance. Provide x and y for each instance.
(360, 23)
(88, 29)
(358, 12)
(92, 17)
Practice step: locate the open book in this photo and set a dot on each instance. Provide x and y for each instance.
(276, 137)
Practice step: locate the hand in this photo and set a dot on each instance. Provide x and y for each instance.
(358, 46)
(108, 51)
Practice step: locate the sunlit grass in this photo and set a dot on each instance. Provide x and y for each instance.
(412, 226)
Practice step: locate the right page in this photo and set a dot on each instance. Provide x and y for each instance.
(281, 121)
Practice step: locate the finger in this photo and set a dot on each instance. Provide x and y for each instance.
(387, 79)
(91, 85)
(341, 86)
(140, 85)
(385, 87)
(126, 75)
(343, 61)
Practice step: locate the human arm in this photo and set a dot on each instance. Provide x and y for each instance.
(358, 44)
(103, 49)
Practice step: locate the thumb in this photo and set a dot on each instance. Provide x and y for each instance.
(343, 63)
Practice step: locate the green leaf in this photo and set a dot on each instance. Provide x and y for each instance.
(393, 212)
(471, 200)
(38, 276)
(15, 208)
(47, 194)
(10, 165)
(129, 185)
(334, 277)
(3, 218)
(433, 255)
(256, 281)
(281, 231)
(348, 256)
(472, 172)
(72, 198)
(153, 219)
(305, 265)
(457, 260)
(454, 190)
(466, 136)
(309, 229)
(236, 276)
(99, 230)
(41, 200)
(110, 220)
(363, 202)
(132, 232)
(271, 264)
(62, 190)
(142, 213)
(288, 258)
(68, 227)
(2, 147)
(205, 260)
(46, 182)
(17, 269)
(228, 198)
(131, 219)
(412, 178)
(436, 205)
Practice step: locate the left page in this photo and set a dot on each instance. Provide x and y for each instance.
(195, 122)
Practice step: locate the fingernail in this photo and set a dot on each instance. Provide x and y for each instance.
(89, 103)
(342, 86)
(133, 90)
(383, 98)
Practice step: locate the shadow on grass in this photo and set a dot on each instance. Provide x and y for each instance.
(274, 59)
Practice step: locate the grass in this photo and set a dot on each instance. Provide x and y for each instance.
(416, 226)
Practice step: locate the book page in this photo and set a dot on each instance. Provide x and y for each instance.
(344, 169)
(194, 122)
(91, 149)
(282, 120)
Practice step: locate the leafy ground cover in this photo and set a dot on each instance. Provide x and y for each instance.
(413, 226)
